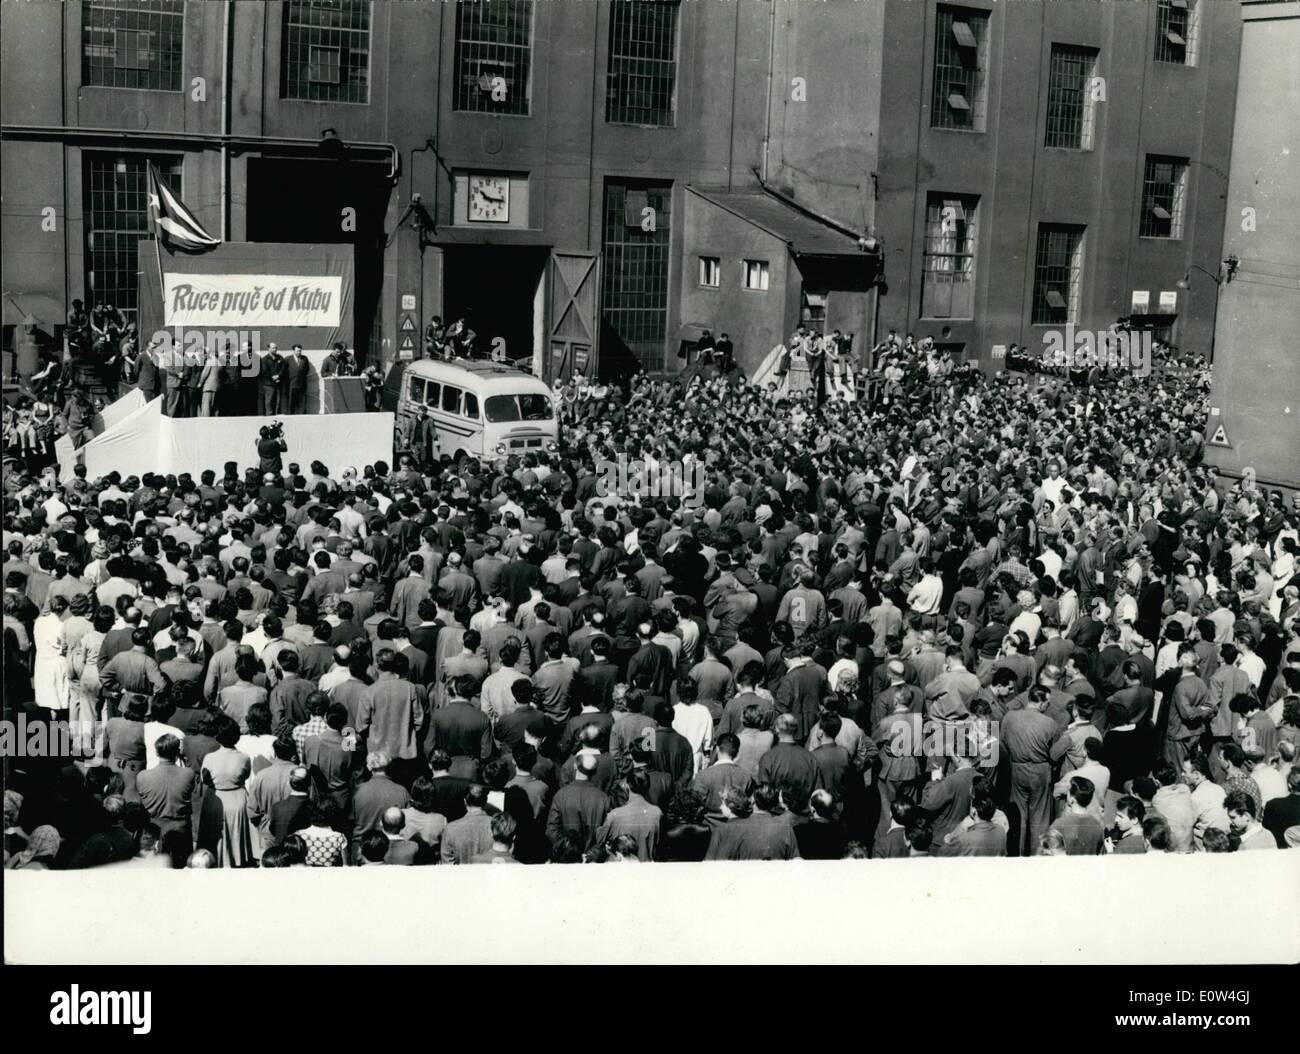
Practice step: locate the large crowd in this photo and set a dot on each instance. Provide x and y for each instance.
(966, 614)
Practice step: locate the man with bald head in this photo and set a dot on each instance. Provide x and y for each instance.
(580, 808)
(401, 851)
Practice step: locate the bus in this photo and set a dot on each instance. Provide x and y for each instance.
(484, 410)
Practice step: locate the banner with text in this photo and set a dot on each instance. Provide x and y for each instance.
(262, 292)
(250, 300)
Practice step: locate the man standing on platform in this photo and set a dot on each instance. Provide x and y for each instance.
(174, 375)
(194, 360)
(270, 382)
(209, 384)
(297, 370)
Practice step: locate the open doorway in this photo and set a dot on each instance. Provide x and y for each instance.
(494, 288)
(296, 200)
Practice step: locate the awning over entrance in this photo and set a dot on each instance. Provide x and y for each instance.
(804, 233)
(691, 332)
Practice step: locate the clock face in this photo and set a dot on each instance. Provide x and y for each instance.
(489, 199)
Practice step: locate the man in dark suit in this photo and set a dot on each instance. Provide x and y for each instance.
(270, 382)
(294, 812)
(652, 658)
(167, 789)
(448, 795)
(330, 761)
(461, 729)
(297, 372)
(580, 808)
(1281, 814)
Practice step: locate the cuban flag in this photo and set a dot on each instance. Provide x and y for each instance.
(173, 223)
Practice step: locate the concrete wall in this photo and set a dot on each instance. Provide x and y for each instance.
(1150, 107)
(1256, 378)
(755, 320)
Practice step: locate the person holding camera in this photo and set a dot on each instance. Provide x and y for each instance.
(269, 448)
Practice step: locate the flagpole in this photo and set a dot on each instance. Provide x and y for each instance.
(154, 213)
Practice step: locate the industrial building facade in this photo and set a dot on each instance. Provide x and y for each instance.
(597, 180)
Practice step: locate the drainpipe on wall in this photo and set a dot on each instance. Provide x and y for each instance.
(226, 29)
(767, 116)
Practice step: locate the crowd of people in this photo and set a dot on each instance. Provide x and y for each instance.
(967, 616)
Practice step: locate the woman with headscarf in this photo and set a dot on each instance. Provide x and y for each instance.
(229, 770)
(42, 848)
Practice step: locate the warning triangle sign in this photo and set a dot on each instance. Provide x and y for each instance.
(1220, 437)
(407, 343)
(408, 324)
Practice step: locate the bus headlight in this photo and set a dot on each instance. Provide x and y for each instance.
(552, 446)
(501, 449)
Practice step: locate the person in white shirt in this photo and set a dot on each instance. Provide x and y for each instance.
(157, 727)
(693, 722)
(1091, 769)
(1249, 662)
(1029, 621)
(925, 597)
(1271, 783)
(1207, 797)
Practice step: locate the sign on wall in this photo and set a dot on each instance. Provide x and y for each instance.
(247, 300)
(1141, 302)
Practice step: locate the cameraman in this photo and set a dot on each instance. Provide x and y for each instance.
(269, 448)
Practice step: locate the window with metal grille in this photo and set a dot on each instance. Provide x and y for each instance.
(710, 271)
(132, 44)
(960, 91)
(494, 40)
(116, 218)
(641, 82)
(1164, 192)
(1070, 105)
(1058, 273)
(635, 269)
(1177, 29)
(948, 269)
(812, 309)
(326, 53)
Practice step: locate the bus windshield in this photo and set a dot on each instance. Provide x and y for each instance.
(527, 407)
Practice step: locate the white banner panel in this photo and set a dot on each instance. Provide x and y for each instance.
(250, 300)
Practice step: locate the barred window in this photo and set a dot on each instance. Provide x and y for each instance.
(117, 216)
(960, 92)
(1177, 27)
(948, 275)
(1071, 108)
(1164, 192)
(640, 87)
(1058, 273)
(326, 54)
(494, 40)
(812, 309)
(635, 271)
(133, 44)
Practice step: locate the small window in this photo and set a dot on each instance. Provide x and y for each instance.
(450, 399)
(471, 405)
(324, 65)
(416, 390)
(710, 271)
(756, 275)
(432, 394)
